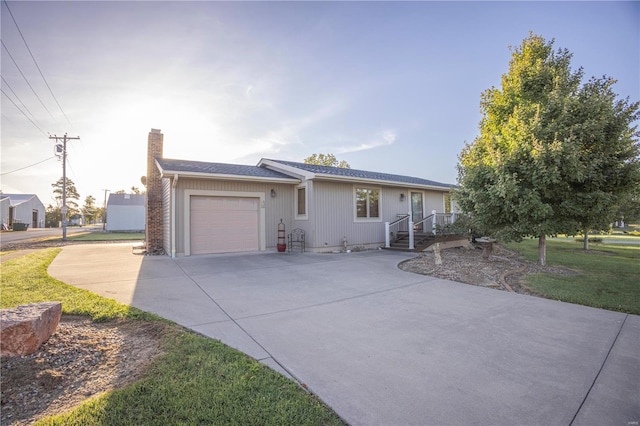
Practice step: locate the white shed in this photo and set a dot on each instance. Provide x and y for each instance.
(126, 212)
(22, 208)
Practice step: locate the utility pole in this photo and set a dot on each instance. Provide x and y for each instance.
(104, 210)
(63, 210)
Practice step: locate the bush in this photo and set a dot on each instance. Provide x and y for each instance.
(591, 240)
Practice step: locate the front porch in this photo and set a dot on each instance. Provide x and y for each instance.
(406, 235)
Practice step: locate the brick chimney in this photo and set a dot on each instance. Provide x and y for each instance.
(154, 194)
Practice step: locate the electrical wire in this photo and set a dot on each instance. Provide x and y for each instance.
(25, 79)
(26, 167)
(36, 63)
(73, 173)
(6, 83)
(23, 113)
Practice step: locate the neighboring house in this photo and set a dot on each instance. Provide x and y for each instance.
(21, 208)
(199, 208)
(126, 212)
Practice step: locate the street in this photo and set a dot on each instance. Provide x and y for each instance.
(32, 234)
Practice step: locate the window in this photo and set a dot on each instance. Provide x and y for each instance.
(447, 203)
(302, 208)
(301, 202)
(367, 203)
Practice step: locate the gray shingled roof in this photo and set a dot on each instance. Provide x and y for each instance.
(362, 174)
(219, 169)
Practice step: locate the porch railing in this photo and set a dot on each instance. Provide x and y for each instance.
(402, 224)
(434, 224)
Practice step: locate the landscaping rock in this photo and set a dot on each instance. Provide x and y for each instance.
(27, 327)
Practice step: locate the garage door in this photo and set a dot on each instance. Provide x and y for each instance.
(224, 224)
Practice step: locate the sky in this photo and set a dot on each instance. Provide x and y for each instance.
(390, 87)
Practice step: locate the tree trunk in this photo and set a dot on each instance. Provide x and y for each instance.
(542, 250)
(585, 245)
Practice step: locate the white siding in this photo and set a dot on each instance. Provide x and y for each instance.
(331, 214)
(4, 211)
(23, 212)
(166, 215)
(125, 218)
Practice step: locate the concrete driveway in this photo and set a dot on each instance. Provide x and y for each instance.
(386, 347)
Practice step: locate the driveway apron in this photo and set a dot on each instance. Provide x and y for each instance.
(386, 347)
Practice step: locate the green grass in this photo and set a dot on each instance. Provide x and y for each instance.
(107, 236)
(607, 276)
(195, 381)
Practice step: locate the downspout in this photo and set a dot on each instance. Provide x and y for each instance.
(174, 183)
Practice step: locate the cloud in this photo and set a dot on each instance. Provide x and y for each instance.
(384, 138)
(291, 131)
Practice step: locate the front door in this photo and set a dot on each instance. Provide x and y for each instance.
(417, 208)
(34, 219)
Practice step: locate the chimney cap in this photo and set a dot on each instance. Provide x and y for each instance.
(155, 130)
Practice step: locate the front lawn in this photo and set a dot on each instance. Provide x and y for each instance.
(607, 275)
(107, 236)
(196, 380)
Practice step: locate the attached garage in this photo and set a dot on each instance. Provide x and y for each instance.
(223, 224)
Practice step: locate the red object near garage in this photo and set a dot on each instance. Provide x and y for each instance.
(282, 246)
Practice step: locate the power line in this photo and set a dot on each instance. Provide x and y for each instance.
(23, 113)
(6, 83)
(36, 63)
(25, 79)
(26, 167)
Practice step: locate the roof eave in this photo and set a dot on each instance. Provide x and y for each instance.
(380, 182)
(286, 169)
(220, 176)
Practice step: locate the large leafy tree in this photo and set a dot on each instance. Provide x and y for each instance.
(326, 160)
(531, 170)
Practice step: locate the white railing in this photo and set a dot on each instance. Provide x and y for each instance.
(397, 226)
(430, 225)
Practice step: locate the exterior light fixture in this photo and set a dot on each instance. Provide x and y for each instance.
(402, 196)
(273, 193)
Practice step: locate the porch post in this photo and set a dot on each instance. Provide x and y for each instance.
(434, 220)
(387, 242)
(410, 231)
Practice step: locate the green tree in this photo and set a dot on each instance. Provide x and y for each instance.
(531, 171)
(72, 195)
(628, 207)
(89, 209)
(326, 160)
(52, 216)
(606, 145)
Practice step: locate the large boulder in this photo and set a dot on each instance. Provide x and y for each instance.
(27, 327)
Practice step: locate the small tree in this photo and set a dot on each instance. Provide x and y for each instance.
(72, 195)
(89, 210)
(326, 160)
(600, 128)
(52, 216)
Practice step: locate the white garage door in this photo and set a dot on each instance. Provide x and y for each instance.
(224, 224)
